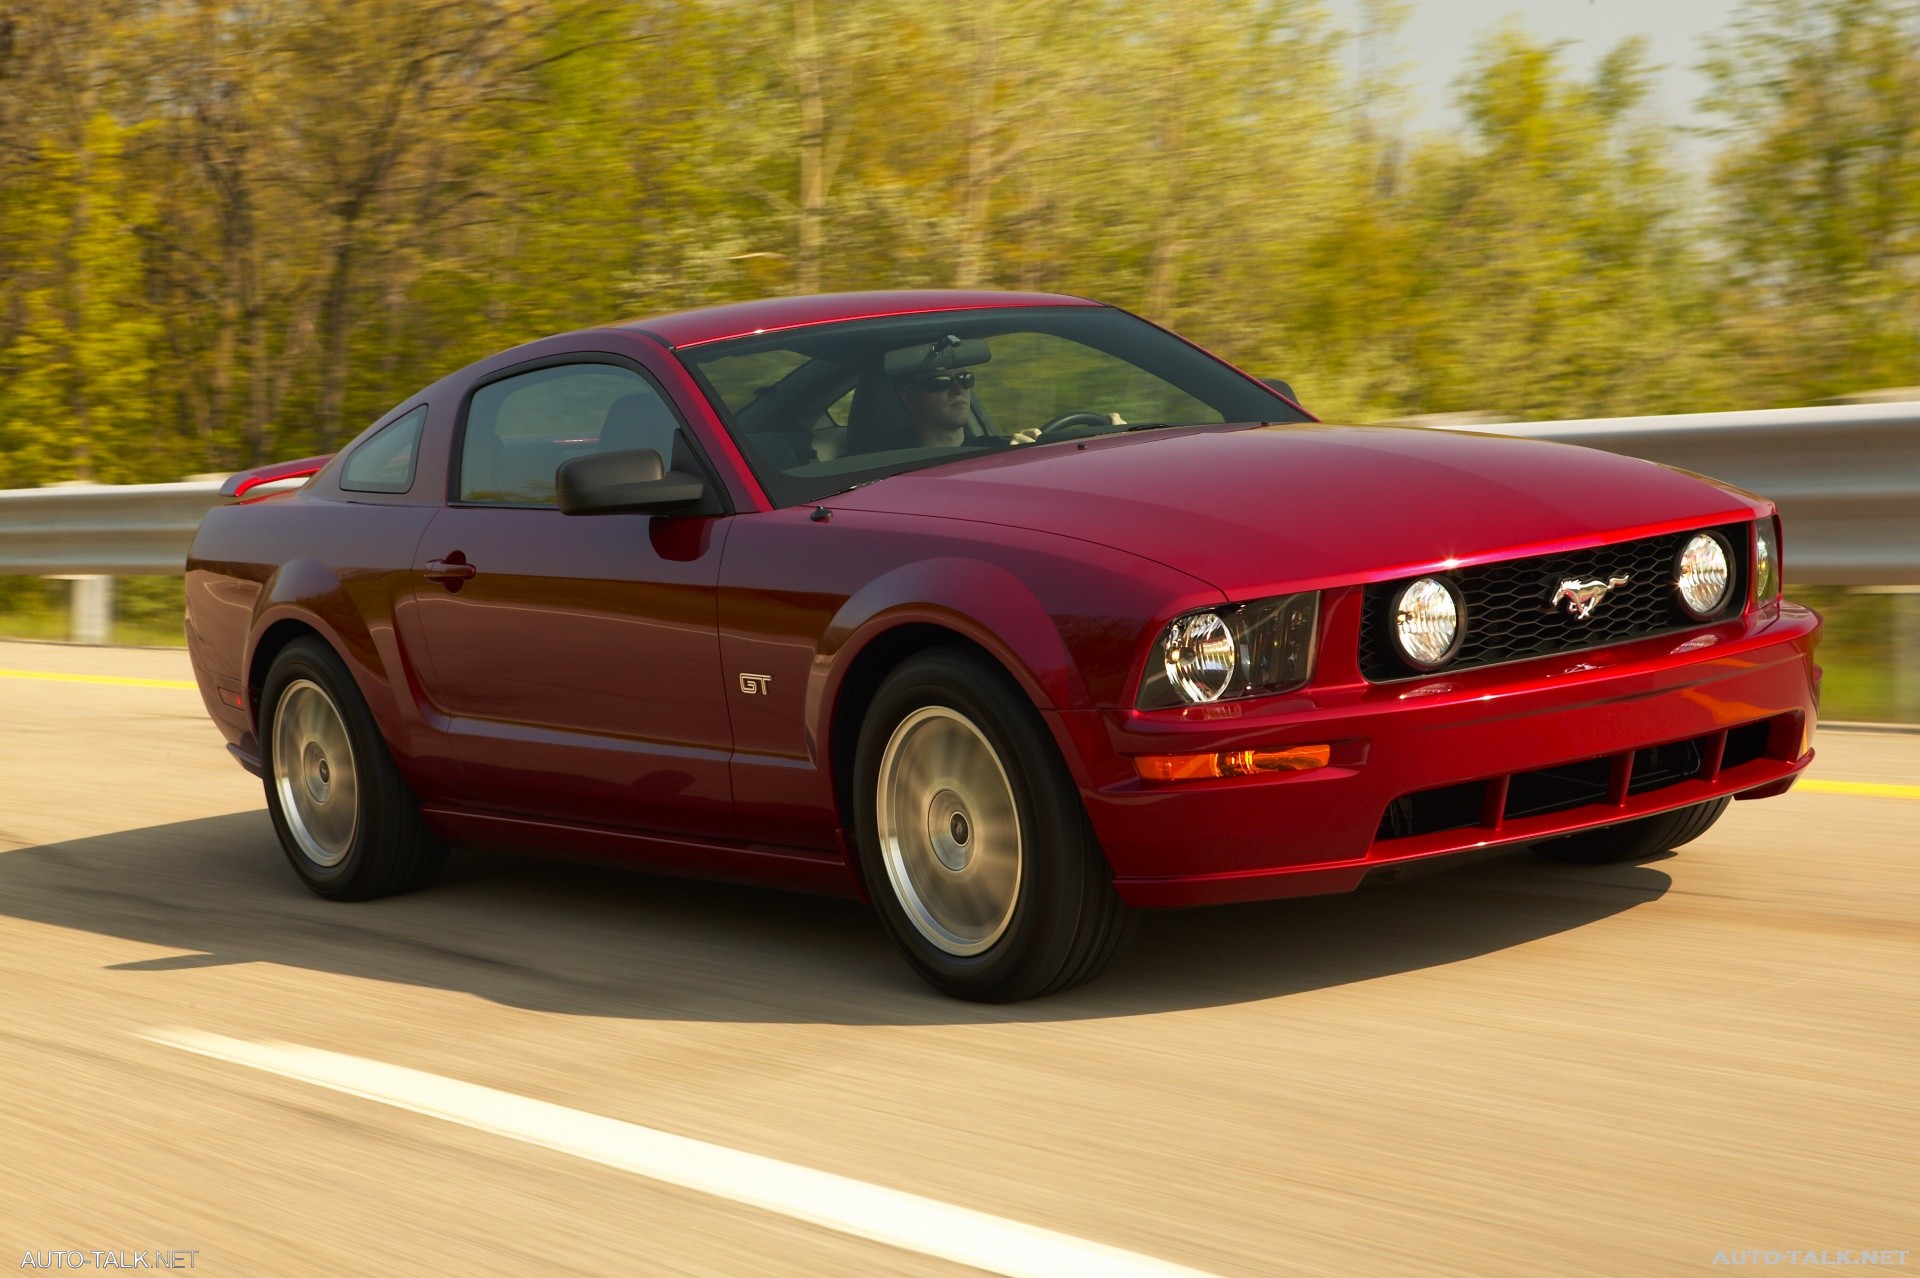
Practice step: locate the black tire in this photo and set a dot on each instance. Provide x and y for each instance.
(1634, 840)
(385, 848)
(1065, 924)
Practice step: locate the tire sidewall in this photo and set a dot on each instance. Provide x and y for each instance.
(310, 660)
(1047, 809)
(1638, 840)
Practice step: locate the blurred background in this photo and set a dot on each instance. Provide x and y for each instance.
(233, 231)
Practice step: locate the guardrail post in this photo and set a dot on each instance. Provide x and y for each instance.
(1906, 653)
(90, 619)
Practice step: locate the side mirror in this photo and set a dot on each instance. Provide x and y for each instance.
(1282, 387)
(630, 482)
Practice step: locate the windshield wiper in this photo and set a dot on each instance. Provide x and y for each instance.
(1133, 426)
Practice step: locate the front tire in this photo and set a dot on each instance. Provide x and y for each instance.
(1633, 840)
(972, 839)
(346, 820)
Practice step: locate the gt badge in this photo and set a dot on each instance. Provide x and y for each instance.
(755, 685)
(1582, 597)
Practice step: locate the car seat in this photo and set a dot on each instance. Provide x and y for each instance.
(876, 419)
(640, 420)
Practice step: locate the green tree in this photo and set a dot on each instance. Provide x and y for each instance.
(1542, 266)
(77, 347)
(1819, 192)
(234, 232)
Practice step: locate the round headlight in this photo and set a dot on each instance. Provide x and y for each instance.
(1704, 575)
(1200, 656)
(1426, 623)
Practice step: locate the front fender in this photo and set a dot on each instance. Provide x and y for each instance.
(984, 602)
(814, 612)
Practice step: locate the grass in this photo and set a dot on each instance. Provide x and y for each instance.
(148, 611)
(1857, 652)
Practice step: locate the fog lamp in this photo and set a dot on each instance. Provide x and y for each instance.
(1427, 622)
(1704, 575)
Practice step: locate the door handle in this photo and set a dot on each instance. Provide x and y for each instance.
(452, 572)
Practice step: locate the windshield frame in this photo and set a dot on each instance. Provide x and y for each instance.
(1197, 373)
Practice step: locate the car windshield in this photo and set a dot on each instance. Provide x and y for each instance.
(825, 408)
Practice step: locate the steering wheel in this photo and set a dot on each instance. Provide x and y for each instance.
(1059, 427)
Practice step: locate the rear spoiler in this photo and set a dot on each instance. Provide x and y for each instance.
(239, 485)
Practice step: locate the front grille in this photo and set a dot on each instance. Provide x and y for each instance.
(1510, 613)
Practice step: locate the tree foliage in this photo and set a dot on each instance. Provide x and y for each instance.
(234, 231)
(1819, 191)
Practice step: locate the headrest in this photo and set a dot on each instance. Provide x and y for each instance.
(876, 420)
(639, 420)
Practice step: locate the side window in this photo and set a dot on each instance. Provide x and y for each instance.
(520, 429)
(384, 463)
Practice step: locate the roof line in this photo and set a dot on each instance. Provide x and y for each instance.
(1064, 299)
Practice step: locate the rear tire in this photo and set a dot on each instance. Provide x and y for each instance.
(346, 820)
(1634, 840)
(972, 838)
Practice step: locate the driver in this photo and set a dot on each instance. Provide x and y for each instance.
(940, 404)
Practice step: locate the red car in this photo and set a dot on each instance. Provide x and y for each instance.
(1012, 613)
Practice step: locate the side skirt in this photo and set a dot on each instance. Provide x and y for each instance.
(820, 873)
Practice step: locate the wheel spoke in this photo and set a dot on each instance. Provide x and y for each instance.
(919, 776)
(314, 776)
(943, 752)
(949, 830)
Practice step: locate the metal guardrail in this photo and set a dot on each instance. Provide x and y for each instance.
(1847, 481)
(114, 530)
(96, 532)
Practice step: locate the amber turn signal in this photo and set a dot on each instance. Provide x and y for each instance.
(1230, 763)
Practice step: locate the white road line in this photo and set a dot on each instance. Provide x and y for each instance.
(821, 1198)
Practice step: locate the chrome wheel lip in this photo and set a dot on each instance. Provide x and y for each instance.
(957, 880)
(314, 775)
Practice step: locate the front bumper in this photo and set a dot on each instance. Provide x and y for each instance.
(1453, 763)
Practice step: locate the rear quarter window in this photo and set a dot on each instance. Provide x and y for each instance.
(385, 462)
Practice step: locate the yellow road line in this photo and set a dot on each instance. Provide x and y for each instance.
(1871, 789)
(118, 681)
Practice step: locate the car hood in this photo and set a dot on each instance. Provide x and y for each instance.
(1249, 509)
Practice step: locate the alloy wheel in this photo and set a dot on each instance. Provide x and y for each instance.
(949, 830)
(313, 773)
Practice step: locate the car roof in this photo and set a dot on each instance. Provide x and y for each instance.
(739, 319)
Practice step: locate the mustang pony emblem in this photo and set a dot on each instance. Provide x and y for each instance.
(1583, 597)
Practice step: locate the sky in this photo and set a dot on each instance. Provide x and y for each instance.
(1438, 35)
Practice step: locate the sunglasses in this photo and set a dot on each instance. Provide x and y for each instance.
(946, 382)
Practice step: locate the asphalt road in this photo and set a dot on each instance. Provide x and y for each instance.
(1512, 1068)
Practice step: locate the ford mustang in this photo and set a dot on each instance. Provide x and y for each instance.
(1013, 614)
